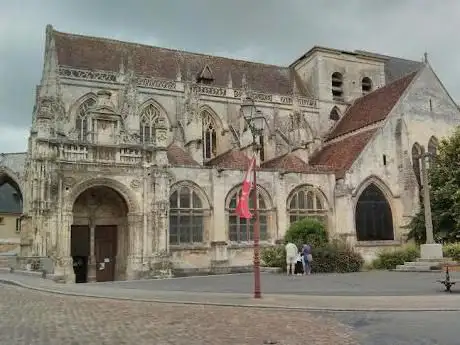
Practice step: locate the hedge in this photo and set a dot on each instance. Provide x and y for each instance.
(452, 250)
(389, 259)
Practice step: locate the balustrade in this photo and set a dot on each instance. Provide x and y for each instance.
(80, 153)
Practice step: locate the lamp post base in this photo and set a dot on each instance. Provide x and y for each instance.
(432, 251)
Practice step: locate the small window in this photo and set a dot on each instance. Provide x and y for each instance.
(18, 224)
(337, 86)
(334, 114)
(2, 220)
(366, 85)
(384, 160)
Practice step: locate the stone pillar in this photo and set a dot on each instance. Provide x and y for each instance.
(64, 263)
(134, 264)
(430, 250)
(92, 255)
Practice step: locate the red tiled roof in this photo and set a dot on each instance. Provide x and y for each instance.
(178, 156)
(232, 159)
(372, 107)
(92, 53)
(341, 154)
(291, 163)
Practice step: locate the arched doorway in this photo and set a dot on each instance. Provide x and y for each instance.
(99, 235)
(11, 209)
(373, 218)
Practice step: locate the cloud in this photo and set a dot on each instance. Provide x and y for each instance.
(13, 139)
(270, 31)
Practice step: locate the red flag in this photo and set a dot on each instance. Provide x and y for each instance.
(242, 207)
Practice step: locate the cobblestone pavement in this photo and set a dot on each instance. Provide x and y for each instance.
(34, 318)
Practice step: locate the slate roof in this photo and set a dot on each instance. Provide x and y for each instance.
(395, 68)
(93, 53)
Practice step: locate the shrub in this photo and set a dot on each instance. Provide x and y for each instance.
(274, 257)
(336, 258)
(326, 259)
(452, 250)
(389, 259)
(307, 230)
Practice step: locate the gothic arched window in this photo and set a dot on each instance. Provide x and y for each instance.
(209, 136)
(416, 152)
(148, 120)
(432, 149)
(307, 202)
(373, 217)
(337, 86)
(240, 229)
(82, 119)
(186, 217)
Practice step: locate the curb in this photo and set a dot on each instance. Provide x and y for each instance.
(223, 304)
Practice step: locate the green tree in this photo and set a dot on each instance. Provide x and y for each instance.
(307, 230)
(444, 177)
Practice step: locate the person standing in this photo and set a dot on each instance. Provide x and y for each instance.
(291, 257)
(307, 258)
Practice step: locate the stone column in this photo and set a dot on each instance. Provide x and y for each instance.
(64, 262)
(134, 264)
(92, 255)
(430, 250)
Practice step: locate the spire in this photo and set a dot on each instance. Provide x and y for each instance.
(229, 80)
(178, 72)
(244, 82)
(425, 57)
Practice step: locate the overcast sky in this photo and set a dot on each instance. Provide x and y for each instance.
(271, 31)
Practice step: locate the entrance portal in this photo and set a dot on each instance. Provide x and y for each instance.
(99, 237)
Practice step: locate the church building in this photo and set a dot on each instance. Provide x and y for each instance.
(136, 154)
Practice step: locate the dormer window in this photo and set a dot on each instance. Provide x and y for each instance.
(366, 85)
(337, 86)
(205, 76)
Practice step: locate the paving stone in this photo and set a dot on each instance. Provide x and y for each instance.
(29, 317)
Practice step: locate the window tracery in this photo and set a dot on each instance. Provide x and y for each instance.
(209, 136)
(305, 202)
(242, 230)
(148, 120)
(82, 121)
(186, 217)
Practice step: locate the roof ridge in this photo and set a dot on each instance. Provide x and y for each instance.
(96, 38)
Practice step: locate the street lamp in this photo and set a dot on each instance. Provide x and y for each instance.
(256, 122)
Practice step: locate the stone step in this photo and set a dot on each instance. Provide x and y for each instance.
(408, 268)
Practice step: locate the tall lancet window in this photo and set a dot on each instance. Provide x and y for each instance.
(209, 136)
(148, 119)
(82, 119)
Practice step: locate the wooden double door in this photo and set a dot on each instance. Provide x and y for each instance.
(105, 250)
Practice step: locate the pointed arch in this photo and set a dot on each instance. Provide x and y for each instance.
(80, 112)
(373, 215)
(6, 174)
(415, 154)
(433, 145)
(307, 201)
(11, 193)
(335, 114)
(157, 105)
(240, 229)
(211, 127)
(188, 209)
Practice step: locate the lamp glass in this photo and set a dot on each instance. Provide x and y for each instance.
(247, 107)
(258, 121)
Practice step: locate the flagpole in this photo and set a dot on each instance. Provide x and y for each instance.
(257, 290)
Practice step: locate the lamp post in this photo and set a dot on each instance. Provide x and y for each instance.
(256, 122)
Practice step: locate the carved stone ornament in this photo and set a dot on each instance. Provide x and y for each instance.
(69, 181)
(135, 184)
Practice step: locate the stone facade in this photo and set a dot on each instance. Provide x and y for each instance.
(151, 142)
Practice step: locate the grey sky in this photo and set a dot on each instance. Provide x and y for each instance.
(271, 31)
